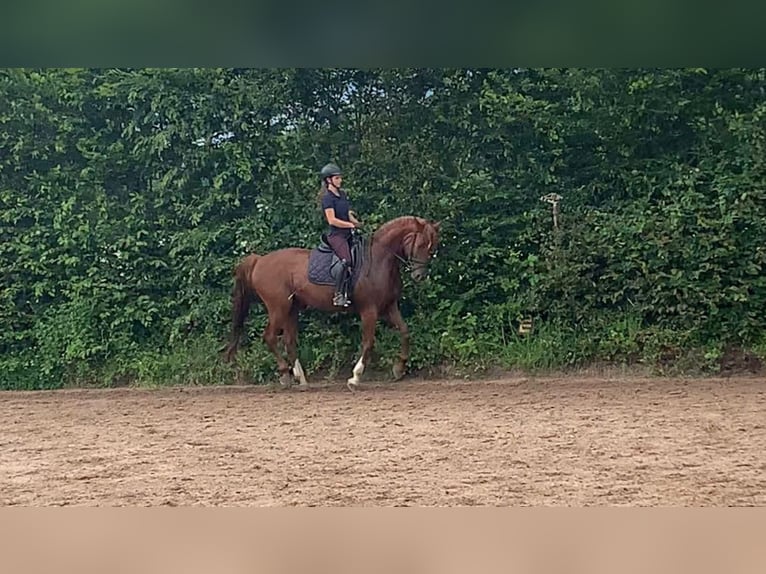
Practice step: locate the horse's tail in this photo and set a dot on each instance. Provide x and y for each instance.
(241, 298)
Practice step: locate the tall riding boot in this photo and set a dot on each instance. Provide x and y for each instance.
(341, 299)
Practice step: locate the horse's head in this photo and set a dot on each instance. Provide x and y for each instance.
(420, 245)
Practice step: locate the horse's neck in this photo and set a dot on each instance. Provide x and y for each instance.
(386, 252)
(390, 240)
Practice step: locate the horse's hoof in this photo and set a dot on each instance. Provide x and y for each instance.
(352, 385)
(285, 381)
(398, 371)
(302, 387)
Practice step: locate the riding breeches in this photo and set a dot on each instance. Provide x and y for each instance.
(339, 243)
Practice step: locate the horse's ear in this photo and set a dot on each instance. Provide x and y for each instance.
(437, 225)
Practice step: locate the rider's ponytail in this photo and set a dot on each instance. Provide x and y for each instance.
(322, 191)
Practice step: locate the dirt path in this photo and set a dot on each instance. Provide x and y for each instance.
(537, 441)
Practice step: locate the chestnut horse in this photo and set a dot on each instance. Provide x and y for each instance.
(280, 280)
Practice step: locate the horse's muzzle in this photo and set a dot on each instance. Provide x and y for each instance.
(420, 273)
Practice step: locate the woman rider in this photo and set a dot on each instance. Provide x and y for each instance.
(337, 212)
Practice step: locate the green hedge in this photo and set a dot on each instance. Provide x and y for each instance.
(127, 196)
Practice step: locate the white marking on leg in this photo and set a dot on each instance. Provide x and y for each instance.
(300, 374)
(358, 370)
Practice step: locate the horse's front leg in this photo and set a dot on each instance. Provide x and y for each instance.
(395, 320)
(369, 321)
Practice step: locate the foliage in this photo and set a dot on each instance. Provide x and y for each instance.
(127, 196)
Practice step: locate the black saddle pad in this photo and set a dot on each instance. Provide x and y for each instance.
(324, 266)
(321, 267)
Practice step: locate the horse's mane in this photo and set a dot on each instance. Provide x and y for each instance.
(399, 222)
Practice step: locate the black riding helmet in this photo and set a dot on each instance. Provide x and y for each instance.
(330, 170)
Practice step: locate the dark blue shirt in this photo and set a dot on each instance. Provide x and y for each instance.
(341, 206)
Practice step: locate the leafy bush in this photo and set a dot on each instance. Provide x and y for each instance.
(127, 196)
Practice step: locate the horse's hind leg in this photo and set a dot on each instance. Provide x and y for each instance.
(271, 337)
(290, 338)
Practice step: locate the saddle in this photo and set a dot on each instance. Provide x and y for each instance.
(324, 264)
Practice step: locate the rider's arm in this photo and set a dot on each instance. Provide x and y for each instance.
(329, 213)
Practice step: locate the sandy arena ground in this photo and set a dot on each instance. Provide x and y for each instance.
(570, 441)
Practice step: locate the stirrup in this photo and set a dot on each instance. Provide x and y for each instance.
(340, 300)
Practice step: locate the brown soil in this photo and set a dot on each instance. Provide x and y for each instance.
(570, 441)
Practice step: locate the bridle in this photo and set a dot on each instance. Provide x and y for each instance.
(408, 261)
